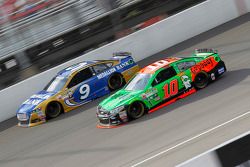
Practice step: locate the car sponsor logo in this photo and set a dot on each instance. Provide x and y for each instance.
(212, 76)
(33, 102)
(40, 96)
(106, 73)
(114, 69)
(186, 81)
(123, 116)
(151, 94)
(122, 65)
(221, 70)
(207, 63)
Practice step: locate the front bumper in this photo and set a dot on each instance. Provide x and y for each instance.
(33, 120)
(111, 121)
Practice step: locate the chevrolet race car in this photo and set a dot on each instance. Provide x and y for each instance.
(160, 84)
(75, 86)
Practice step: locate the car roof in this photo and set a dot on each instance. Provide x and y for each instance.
(75, 67)
(152, 68)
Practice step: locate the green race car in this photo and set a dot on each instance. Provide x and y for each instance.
(160, 84)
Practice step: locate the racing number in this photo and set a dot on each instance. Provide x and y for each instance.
(172, 90)
(84, 91)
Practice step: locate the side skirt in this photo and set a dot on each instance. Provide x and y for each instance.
(172, 100)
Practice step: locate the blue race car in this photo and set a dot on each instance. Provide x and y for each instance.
(75, 86)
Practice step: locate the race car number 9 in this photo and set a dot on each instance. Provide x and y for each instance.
(84, 91)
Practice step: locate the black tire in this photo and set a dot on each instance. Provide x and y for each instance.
(53, 110)
(116, 81)
(136, 110)
(201, 80)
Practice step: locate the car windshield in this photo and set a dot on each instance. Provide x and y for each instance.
(139, 82)
(56, 84)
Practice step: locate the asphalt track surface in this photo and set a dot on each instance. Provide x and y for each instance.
(73, 139)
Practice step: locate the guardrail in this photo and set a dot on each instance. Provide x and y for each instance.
(142, 44)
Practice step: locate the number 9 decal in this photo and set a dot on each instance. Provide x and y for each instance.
(84, 91)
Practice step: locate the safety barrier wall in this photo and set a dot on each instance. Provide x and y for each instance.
(248, 5)
(142, 44)
(210, 157)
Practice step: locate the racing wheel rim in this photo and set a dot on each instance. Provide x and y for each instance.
(136, 110)
(201, 80)
(53, 110)
(115, 82)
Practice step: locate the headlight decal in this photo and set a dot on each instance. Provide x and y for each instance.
(22, 116)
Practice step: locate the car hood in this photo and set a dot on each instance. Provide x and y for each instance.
(30, 104)
(120, 98)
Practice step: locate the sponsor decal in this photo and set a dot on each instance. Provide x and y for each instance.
(40, 96)
(114, 69)
(33, 102)
(41, 115)
(122, 65)
(106, 73)
(221, 70)
(123, 116)
(186, 81)
(212, 76)
(207, 63)
(151, 94)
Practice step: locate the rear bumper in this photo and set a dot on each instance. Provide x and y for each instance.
(219, 70)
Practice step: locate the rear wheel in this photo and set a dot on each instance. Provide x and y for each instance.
(53, 110)
(136, 110)
(201, 80)
(116, 81)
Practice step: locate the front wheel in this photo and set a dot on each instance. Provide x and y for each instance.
(136, 110)
(115, 82)
(201, 80)
(53, 110)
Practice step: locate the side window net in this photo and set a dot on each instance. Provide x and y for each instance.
(164, 75)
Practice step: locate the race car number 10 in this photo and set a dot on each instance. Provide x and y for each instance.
(170, 89)
(84, 91)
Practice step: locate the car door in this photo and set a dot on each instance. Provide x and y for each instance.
(80, 88)
(166, 84)
(100, 78)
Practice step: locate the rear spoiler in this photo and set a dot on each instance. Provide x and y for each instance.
(121, 55)
(205, 50)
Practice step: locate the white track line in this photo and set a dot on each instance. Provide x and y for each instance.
(215, 148)
(192, 138)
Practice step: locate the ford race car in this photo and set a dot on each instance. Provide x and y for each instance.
(75, 86)
(160, 84)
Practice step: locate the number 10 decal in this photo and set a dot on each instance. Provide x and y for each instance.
(170, 89)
